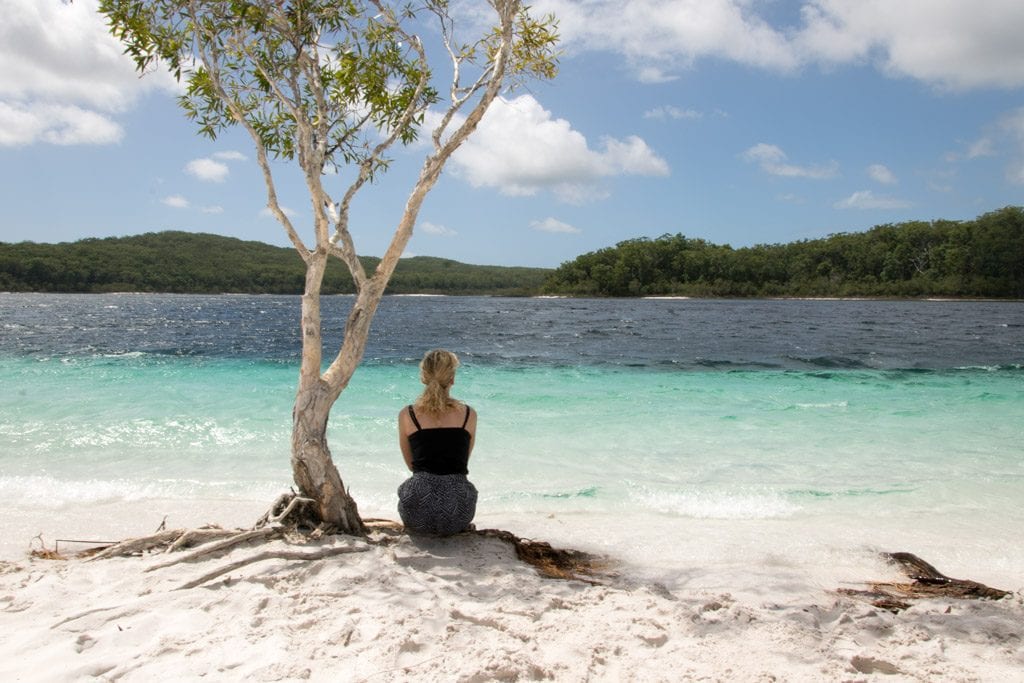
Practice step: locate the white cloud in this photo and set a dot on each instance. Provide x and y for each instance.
(659, 37)
(437, 230)
(521, 149)
(956, 45)
(63, 76)
(229, 155)
(176, 201)
(207, 169)
(772, 160)
(554, 225)
(981, 148)
(670, 112)
(22, 124)
(791, 198)
(653, 75)
(866, 199)
(1002, 138)
(881, 174)
(266, 213)
(179, 202)
(1012, 125)
(632, 156)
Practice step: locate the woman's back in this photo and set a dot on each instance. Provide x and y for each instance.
(440, 449)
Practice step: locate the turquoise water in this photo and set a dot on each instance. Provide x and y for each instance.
(736, 445)
(722, 460)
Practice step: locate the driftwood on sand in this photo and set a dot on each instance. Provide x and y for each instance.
(926, 582)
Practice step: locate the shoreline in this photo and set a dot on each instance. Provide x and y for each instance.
(653, 297)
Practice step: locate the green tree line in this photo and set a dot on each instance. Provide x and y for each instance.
(184, 262)
(983, 257)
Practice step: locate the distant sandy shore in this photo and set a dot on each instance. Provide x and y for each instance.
(465, 609)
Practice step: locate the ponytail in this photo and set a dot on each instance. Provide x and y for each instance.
(437, 372)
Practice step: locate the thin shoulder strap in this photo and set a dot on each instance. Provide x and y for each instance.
(414, 420)
(466, 421)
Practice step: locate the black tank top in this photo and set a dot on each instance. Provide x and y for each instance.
(440, 450)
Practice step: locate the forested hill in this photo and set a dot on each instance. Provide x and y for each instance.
(983, 257)
(979, 258)
(201, 263)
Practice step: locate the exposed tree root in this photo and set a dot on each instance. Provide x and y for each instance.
(554, 563)
(927, 582)
(273, 555)
(138, 546)
(292, 510)
(289, 513)
(550, 562)
(292, 516)
(265, 534)
(194, 537)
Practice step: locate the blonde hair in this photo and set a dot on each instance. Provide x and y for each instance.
(437, 372)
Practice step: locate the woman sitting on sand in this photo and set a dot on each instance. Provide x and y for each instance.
(436, 435)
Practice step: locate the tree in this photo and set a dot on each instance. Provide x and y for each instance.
(332, 85)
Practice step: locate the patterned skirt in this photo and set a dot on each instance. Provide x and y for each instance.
(437, 504)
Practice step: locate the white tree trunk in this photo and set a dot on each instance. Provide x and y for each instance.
(312, 467)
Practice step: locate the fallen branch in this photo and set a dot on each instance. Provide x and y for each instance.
(273, 555)
(927, 582)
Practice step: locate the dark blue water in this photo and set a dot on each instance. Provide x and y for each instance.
(684, 334)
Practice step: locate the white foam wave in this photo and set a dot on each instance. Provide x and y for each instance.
(46, 492)
(715, 505)
(827, 405)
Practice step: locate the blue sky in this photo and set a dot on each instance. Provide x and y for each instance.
(735, 121)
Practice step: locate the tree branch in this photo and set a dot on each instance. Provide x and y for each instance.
(213, 67)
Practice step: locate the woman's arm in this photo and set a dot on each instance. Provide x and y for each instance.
(471, 428)
(404, 429)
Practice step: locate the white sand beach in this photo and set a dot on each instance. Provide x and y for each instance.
(466, 609)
